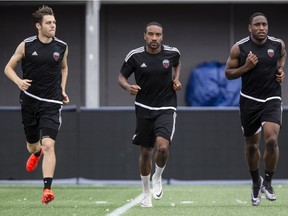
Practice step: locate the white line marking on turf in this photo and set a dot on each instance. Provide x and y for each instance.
(100, 202)
(187, 202)
(126, 207)
(242, 202)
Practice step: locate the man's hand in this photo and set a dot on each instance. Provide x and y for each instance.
(280, 75)
(177, 85)
(24, 84)
(65, 98)
(251, 61)
(133, 89)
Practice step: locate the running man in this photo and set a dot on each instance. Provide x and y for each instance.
(259, 60)
(45, 71)
(156, 68)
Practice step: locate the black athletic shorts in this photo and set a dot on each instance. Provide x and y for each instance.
(40, 119)
(162, 123)
(253, 118)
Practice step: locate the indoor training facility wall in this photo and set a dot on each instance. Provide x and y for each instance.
(96, 144)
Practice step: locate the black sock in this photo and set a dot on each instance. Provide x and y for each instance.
(255, 176)
(268, 176)
(37, 154)
(47, 183)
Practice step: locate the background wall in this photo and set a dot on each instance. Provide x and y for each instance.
(202, 32)
(96, 144)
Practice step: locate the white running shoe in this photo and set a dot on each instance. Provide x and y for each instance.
(147, 201)
(256, 192)
(157, 187)
(269, 191)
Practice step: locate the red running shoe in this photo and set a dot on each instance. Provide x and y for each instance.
(48, 196)
(32, 161)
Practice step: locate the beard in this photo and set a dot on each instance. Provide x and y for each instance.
(154, 45)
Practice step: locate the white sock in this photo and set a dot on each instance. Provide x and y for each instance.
(145, 183)
(158, 171)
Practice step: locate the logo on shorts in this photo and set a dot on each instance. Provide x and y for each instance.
(270, 52)
(56, 56)
(166, 63)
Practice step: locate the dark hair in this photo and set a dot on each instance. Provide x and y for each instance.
(41, 12)
(256, 14)
(152, 23)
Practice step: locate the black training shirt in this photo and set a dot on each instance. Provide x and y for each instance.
(42, 64)
(153, 73)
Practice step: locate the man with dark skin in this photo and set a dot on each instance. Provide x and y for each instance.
(259, 60)
(156, 68)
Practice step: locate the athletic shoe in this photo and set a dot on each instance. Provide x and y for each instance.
(48, 196)
(256, 192)
(269, 191)
(146, 202)
(157, 187)
(32, 161)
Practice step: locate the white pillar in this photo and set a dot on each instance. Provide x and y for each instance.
(92, 76)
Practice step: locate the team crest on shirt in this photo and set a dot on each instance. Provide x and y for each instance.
(166, 63)
(270, 52)
(56, 56)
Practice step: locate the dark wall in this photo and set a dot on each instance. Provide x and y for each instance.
(202, 32)
(96, 144)
(106, 151)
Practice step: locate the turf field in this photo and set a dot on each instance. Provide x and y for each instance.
(198, 200)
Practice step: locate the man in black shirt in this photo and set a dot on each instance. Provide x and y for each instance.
(156, 69)
(259, 60)
(45, 71)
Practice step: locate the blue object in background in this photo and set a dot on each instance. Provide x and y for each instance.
(208, 86)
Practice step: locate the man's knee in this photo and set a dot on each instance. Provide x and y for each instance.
(271, 143)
